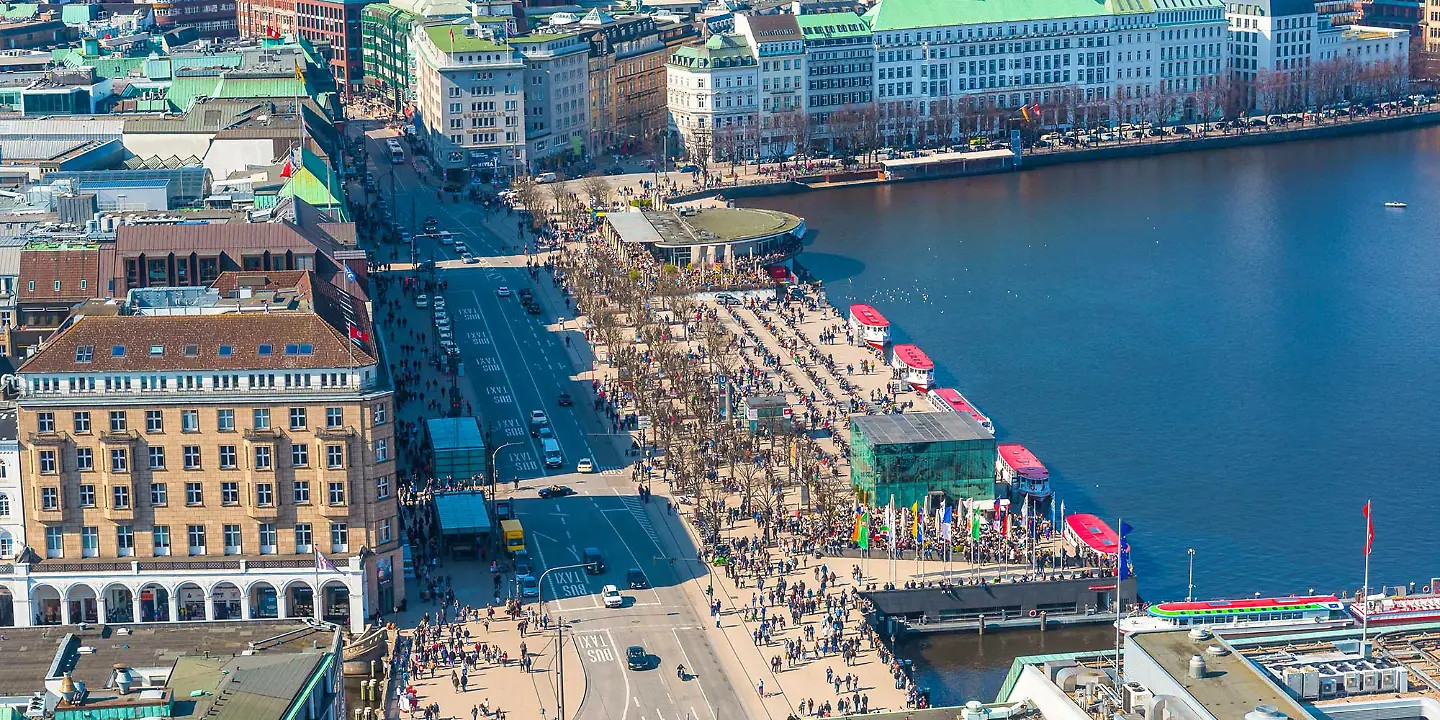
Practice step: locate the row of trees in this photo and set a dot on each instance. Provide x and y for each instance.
(856, 129)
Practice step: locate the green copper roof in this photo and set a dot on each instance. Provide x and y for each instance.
(829, 26)
(718, 51)
(911, 14)
(537, 38)
(317, 184)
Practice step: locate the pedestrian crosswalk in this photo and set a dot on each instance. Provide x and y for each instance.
(613, 471)
(637, 511)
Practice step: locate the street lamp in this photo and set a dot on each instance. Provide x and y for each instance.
(559, 638)
(1190, 594)
(494, 478)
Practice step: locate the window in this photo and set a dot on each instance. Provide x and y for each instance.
(334, 456)
(194, 493)
(157, 458)
(190, 421)
(262, 457)
(120, 497)
(264, 350)
(262, 419)
(385, 531)
(54, 538)
(337, 493)
(339, 537)
(225, 420)
(4, 505)
(85, 353)
(302, 492)
(117, 351)
(334, 417)
(160, 536)
(299, 455)
(382, 487)
(380, 414)
(47, 462)
(303, 539)
(297, 418)
(158, 495)
(45, 422)
(154, 421)
(264, 495)
(231, 536)
(195, 535)
(87, 496)
(267, 539)
(117, 421)
(82, 423)
(192, 457)
(125, 540)
(230, 493)
(90, 541)
(382, 450)
(227, 457)
(119, 460)
(157, 350)
(49, 498)
(84, 459)
(226, 350)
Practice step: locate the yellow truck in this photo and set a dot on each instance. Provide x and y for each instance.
(514, 535)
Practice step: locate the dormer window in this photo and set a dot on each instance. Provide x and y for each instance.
(157, 350)
(85, 353)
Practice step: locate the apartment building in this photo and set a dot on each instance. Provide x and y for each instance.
(780, 45)
(713, 95)
(1272, 43)
(557, 96)
(208, 453)
(839, 68)
(627, 77)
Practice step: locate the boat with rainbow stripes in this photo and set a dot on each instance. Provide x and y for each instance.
(1235, 618)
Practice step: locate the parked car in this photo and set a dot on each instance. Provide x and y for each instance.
(422, 301)
(612, 596)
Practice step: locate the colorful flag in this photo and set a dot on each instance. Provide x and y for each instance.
(272, 33)
(288, 170)
(947, 524)
(299, 72)
(1123, 558)
(859, 517)
(890, 523)
(975, 523)
(358, 334)
(915, 520)
(1369, 528)
(323, 563)
(864, 538)
(350, 274)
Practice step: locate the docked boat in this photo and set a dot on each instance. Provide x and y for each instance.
(1395, 204)
(1238, 618)
(916, 368)
(950, 400)
(1019, 468)
(1397, 609)
(869, 326)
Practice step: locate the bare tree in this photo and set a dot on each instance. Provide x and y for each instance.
(598, 191)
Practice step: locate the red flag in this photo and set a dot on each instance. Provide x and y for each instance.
(288, 170)
(1369, 528)
(358, 334)
(272, 33)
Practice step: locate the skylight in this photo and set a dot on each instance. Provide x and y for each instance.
(84, 353)
(117, 351)
(226, 351)
(157, 350)
(192, 351)
(266, 350)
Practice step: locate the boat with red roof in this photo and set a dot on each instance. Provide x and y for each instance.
(916, 368)
(950, 400)
(869, 326)
(1399, 609)
(1020, 469)
(1250, 616)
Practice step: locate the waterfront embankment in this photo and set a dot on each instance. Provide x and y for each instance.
(749, 185)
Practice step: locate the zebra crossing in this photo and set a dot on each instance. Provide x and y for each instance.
(642, 518)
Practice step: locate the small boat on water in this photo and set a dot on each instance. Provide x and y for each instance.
(916, 368)
(950, 400)
(1397, 609)
(1235, 618)
(1395, 204)
(869, 326)
(1021, 470)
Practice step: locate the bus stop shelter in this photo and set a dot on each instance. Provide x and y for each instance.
(465, 524)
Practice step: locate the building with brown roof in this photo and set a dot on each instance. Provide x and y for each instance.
(55, 276)
(188, 453)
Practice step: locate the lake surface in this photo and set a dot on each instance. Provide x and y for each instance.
(1231, 349)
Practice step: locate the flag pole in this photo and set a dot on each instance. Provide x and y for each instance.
(1119, 597)
(1365, 590)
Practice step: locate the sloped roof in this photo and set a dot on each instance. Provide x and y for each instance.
(829, 26)
(68, 265)
(316, 183)
(910, 14)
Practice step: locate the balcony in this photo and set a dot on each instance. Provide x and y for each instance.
(49, 439)
(336, 433)
(120, 437)
(334, 511)
(125, 514)
(268, 435)
(263, 512)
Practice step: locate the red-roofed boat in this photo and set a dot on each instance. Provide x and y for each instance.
(1400, 609)
(915, 367)
(950, 400)
(1091, 534)
(869, 326)
(1019, 468)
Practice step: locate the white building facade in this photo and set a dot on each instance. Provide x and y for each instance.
(1272, 45)
(713, 96)
(470, 93)
(557, 97)
(780, 47)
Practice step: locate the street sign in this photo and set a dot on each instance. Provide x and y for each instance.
(643, 422)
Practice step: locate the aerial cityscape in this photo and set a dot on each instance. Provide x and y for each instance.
(699, 359)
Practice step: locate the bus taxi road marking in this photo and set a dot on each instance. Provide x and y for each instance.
(506, 372)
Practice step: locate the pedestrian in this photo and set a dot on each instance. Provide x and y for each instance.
(760, 688)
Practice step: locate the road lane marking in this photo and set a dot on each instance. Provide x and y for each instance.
(504, 371)
(698, 686)
(624, 673)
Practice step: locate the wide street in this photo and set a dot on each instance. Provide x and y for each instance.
(514, 363)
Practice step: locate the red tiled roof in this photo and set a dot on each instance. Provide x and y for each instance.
(69, 267)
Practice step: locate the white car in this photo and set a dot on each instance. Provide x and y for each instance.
(502, 291)
(422, 301)
(613, 598)
(439, 302)
(443, 322)
(586, 465)
(446, 238)
(460, 248)
(469, 259)
(445, 335)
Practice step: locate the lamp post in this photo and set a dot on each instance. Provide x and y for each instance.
(559, 636)
(1190, 593)
(494, 477)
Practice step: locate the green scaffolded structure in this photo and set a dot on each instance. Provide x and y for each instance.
(911, 455)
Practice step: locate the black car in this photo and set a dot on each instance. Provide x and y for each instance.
(636, 658)
(594, 561)
(615, 171)
(431, 223)
(556, 491)
(564, 400)
(635, 577)
(533, 308)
